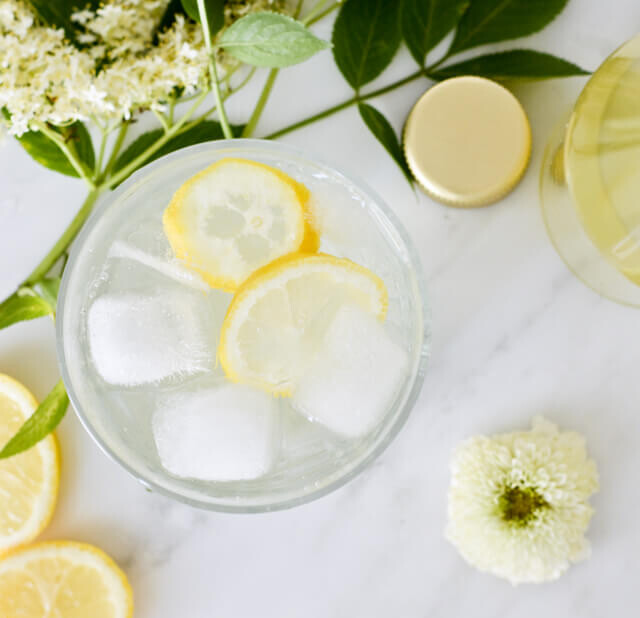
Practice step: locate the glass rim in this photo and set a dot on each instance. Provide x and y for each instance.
(420, 367)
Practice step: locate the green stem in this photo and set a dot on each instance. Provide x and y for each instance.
(162, 119)
(262, 101)
(115, 150)
(63, 242)
(213, 71)
(224, 121)
(348, 103)
(103, 143)
(69, 153)
(126, 171)
(315, 16)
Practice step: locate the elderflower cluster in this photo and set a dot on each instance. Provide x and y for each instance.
(518, 502)
(121, 61)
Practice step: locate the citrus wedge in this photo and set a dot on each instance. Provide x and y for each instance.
(28, 481)
(236, 216)
(277, 318)
(63, 580)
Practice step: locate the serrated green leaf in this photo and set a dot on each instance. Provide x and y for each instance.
(512, 64)
(214, 9)
(366, 37)
(206, 131)
(426, 22)
(490, 21)
(384, 133)
(19, 308)
(40, 424)
(270, 40)
(48, 153)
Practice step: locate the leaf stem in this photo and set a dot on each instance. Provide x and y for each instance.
(115, 150)
(262, 101)
(68, 152)
(348, 103)
(213, 71)
(63, 242)
(143, 156)
(164, 121)
(316, 15)
(103, 143)
(224, 121)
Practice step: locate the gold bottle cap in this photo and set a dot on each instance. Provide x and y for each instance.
(467, 141)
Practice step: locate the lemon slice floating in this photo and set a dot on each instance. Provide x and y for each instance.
(276, 319)
(236, 216)
(65, 580)
(28, 481)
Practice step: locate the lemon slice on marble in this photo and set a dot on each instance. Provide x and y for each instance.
(28, 481)
(236, 216)
(63, 579)
(277, 318)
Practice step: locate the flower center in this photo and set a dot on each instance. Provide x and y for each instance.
(519, 505)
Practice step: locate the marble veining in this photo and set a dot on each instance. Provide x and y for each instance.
(514, 335)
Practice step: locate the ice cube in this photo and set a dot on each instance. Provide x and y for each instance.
(169, 267)
(137, 339)
(354, 376)
(217, 434)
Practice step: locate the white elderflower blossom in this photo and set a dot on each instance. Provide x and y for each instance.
(518, 502)
(126, 64)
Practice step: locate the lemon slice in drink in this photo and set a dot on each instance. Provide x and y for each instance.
(277, 318)
(236, 216)
(63, 579)
(28, 481)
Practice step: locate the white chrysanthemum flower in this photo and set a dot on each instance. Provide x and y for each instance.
(518, 502)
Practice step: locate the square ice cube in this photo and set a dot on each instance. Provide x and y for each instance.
(137, 339)
(218, 434)
(169, 267)
(354, 376)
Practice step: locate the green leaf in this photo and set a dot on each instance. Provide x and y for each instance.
(21, 307)
(489, 21)
(136, 148)
(40, 424)
(366, 37)
(384, 133)
(426, 22)
(214, 9)
(81, 140)
(512, 64)
(206, 131)
(270, 40)
(168, 18)
(47, 152)
(56, 13)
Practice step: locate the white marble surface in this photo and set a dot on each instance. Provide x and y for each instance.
(515, 334)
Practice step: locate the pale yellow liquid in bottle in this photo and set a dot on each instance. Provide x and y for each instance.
(602, 159)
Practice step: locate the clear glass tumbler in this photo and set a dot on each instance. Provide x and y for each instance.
(590, 180)
(356, 224)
